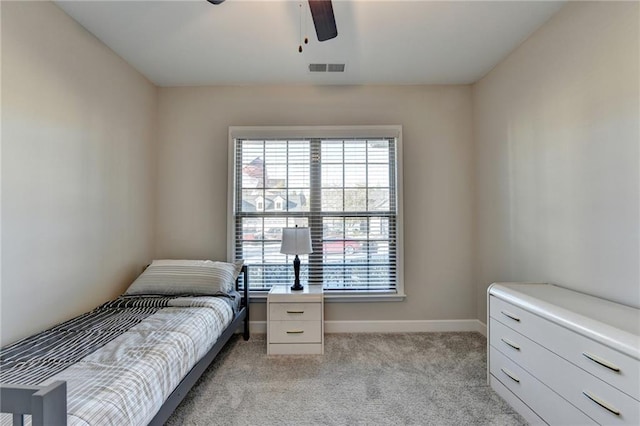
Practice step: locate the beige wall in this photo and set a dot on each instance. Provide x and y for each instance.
(78, 188)
(550, 138)
(192, 179)
(556, 148)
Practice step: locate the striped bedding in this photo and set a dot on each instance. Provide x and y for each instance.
(123, 359)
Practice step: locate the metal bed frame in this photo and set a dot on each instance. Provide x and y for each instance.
(47, 405)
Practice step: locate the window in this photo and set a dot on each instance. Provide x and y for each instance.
(341, 182)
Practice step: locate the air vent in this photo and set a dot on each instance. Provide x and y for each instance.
(326, 67)
(318, 67)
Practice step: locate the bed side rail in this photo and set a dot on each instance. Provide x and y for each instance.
(47, 405)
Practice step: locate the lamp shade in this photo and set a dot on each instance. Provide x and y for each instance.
(296, 241)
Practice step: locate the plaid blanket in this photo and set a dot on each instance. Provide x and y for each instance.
(38, 357)
(123, 359)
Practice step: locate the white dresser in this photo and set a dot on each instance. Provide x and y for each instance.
(562, 357)
(295, 320)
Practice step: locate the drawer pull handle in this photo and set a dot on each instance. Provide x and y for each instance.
(295, 312)
(510, 375)
(509, 315)
(601, 403)
(510, 343)
(295, 331)
(601, 361)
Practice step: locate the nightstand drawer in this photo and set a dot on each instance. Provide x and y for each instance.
(295, 311)
(295, 332)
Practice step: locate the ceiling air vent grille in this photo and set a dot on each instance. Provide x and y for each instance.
(318, 67)
(326, 67)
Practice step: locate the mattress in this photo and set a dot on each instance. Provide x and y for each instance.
(122, 360)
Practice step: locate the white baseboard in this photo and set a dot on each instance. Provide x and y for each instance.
(417, 326)
(258, 327)
(482, 328)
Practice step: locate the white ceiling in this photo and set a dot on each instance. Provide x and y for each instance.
(178, 43)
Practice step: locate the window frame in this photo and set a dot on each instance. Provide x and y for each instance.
(346, 132)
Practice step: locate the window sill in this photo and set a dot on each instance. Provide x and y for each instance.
(332, 297)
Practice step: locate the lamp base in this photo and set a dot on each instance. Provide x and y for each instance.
(296, 269)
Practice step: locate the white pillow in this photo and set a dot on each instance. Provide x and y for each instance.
(174, 277)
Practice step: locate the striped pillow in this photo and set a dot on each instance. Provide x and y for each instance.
(173, 277)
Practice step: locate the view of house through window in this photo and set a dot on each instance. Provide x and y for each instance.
(344, 190)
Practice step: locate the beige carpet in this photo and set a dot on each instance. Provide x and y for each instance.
(363, 379)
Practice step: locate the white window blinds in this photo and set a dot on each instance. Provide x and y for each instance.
(344, 190)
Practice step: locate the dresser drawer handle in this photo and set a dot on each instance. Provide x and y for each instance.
(601, 361)
(295, 331)
(510, 375)
(509, 315)
(295, 312)
(510, 343)
(601, 403)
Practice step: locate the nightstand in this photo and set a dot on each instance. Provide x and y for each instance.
(295, 320)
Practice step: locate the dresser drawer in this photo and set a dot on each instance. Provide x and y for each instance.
(566, 379)
(514, 345)
(516, 403)
(547, 404)
(295, 311)
(615, 368)
(511, 315)
(295, 332)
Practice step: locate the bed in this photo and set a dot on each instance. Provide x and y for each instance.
(132, 360)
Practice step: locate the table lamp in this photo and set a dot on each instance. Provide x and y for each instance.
(296, 241)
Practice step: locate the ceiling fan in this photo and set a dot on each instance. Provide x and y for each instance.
(323, 18)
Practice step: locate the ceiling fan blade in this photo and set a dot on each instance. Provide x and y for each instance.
(323, 19)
